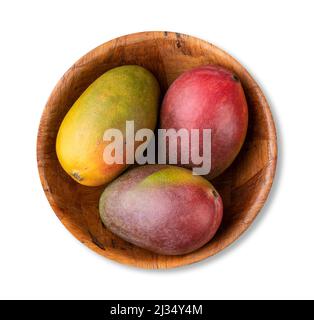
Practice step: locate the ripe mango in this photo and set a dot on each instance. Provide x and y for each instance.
(126, 93)
(208, 97)
(162, 208)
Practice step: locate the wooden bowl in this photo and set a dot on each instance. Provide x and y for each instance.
(244, 186)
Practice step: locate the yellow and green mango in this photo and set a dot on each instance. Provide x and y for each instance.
(126, 93)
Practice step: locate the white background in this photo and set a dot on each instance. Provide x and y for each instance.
(40, 40)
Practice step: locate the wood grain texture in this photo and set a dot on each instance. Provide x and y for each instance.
(244, 186)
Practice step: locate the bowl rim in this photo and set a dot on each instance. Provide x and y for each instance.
(254, 209)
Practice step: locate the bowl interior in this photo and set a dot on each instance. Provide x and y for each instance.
(243, 187)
